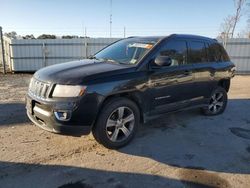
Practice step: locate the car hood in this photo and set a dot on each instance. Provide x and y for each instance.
(77, 72)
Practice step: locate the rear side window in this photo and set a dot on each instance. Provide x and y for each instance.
(197, 52)
(216, 53)
(176, 50)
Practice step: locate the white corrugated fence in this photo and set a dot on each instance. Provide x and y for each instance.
(239, 52)
(32, 54)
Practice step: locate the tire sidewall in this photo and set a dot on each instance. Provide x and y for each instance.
(100, 126)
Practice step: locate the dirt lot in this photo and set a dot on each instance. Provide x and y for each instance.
(181, 150)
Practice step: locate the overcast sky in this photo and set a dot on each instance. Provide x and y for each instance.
(140, 17)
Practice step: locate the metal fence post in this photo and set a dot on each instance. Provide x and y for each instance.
(44, 54)
(86, 47)
(2, 46)
(10, 59)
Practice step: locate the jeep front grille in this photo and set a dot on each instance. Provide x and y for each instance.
(39, 89)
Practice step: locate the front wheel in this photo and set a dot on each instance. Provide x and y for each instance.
(117, 123)
(217, 102)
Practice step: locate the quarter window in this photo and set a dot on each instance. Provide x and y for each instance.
(197, 52)
(176, 50)
(216, 53)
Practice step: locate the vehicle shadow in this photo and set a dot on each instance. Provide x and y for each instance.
(192, 141)
(12, 114)
(38, 175)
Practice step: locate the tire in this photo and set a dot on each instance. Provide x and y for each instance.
(217, 102)
(117, 123)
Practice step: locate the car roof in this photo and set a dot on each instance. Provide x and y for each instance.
(148, 38)
(186, 36)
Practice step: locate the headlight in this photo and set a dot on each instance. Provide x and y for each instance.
(68, 91)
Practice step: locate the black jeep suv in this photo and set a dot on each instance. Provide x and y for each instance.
(130, 81)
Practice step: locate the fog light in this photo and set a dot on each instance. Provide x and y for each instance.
(63, 115)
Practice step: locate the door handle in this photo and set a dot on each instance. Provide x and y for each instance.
(187, 72)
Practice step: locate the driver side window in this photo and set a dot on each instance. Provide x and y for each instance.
(176, 50)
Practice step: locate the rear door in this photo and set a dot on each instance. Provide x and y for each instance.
(203, 71)
(171, 87)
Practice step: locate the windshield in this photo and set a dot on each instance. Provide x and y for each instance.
(128, 51)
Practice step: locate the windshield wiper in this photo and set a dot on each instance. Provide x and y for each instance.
(102, 59)
(110, 60)
(92, 57)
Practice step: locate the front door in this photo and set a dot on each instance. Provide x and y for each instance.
(171, 87)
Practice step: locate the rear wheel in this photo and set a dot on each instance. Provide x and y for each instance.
(217, 102)
(117, 123)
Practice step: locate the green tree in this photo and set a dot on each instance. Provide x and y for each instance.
(29, 37)
(70, 37)
(46, 36)
(11, 35)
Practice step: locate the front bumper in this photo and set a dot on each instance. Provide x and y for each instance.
(42, 115)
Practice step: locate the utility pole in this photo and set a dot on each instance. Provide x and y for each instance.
(124, 32)
(2, 46)
(84, 28)
(110, 19)
(85, 32)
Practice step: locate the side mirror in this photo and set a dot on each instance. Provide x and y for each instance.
(163, 61)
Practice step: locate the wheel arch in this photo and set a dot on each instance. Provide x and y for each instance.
(225, 83)
(133, 96)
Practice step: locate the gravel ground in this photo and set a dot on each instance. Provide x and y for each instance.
(183, 149)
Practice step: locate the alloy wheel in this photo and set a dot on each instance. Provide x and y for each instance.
(216, 102)
(120, 124)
